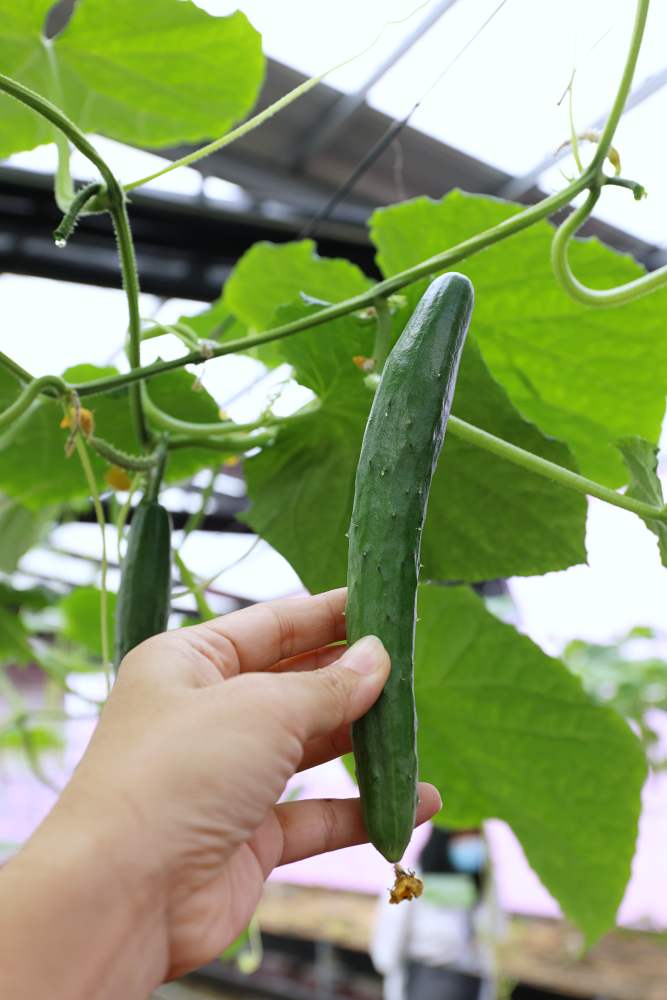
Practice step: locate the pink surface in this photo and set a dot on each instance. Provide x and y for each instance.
(25, 801)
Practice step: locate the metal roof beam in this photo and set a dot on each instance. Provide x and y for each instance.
(327, 126)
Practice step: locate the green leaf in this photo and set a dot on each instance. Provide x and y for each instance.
(641, 459)
(31, 598)
(23, 56)
(19, 530)
(271, 275)
(40, 738)
(14, 645)
(81, 613)
(153, 73)
(302, 488)
(486, 517)
(586, 376)
(506, 731)
(48, 477)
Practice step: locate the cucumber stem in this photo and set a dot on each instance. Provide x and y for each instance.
(550, 470)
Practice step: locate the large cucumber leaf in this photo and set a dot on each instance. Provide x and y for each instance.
(24, 57)
(586, 376)
(506, 731)
(153, 73)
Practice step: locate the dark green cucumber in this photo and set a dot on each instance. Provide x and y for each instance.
(400, 449)
(142, 609)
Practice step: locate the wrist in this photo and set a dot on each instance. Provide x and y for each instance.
(77, 911)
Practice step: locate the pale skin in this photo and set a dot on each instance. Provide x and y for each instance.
(155, 855)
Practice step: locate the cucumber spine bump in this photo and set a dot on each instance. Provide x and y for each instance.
(143, 605)
(402, 441)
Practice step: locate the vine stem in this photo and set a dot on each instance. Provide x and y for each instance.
(382, 343)
(631, 290)
(237, 133)
(194, 588)
(439, 262)
(621, 294)
(82, 452)
(196, 518)
(117, 208)
(64, 188)
(232, 443)
(15, 368)
(607, 136)
(128, 266)
(550, 470)
(29, 394)
(217, 430)
(133, 463)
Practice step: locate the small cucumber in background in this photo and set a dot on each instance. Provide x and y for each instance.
(399, 453)
(142, 609)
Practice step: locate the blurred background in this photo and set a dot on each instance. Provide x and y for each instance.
(468, 94)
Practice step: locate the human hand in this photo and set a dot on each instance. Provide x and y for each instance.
(204, 727)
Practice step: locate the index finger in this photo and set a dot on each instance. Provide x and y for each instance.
(256, 638)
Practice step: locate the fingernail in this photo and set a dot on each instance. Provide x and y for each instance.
(365, 656)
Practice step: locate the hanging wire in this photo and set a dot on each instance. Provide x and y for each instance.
(392, 132)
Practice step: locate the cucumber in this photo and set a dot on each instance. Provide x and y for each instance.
(142, 609)
(399, 453)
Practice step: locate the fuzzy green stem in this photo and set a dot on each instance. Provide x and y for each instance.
(550, 470)
(229, 137)
(205, 612)
(128, 265)
(225, 569)
(65, 229)
(638, 190)
(64, 188)
(161, 456)
(618, 296)
(53, 114)
(195, 429)
(29, 394)
(117, 207)
(231, 443)
(440, 262)
(606, 139)
(123, 515)
(15, 368)
(631, 290)
(99, 514)
(195, 519)
(574, 139)
(133, 463)
(383, 330)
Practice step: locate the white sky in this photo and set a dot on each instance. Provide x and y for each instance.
(500, 103)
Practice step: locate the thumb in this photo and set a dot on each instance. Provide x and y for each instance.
(319, 701)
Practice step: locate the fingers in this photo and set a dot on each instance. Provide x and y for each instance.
(329, 747)
(320, 825)
(312, 704)
(313, 660)
(258, 637)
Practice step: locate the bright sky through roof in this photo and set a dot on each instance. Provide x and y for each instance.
(500, 102)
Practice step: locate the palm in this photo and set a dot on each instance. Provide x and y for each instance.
(222, 715)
